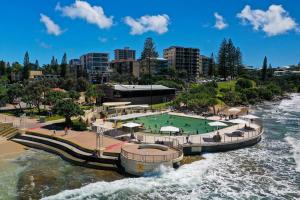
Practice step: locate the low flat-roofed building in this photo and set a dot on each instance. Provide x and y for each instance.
(138, 94)
(35, 74)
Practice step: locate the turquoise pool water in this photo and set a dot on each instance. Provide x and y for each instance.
(189, 125)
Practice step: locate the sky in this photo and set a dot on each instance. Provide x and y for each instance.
(47, 28)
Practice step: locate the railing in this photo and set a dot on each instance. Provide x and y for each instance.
(178, 141)
(150, 158)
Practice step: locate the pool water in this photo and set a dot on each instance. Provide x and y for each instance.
(189, 125)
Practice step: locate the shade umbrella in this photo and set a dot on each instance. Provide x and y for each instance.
(171, 129)
(131, 125)
(250, 117)
(238, 121)
(234, 110)
(217, 124)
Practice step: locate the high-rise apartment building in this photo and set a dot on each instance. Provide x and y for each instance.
(124, 54)
(185, 60)
(96, 66)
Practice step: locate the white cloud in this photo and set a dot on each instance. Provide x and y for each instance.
(83, 10)
(103, 39)
(220, 22)
(154, 23)
(52, 28)
(274, 21)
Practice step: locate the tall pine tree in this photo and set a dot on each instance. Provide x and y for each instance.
(64, 66)
(26, 66)
(264, 69)
(149, 50)
(230, 54)
(222, 60)
(212, 66)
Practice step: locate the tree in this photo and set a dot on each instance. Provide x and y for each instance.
(64, 66)
(52, 97)
(94, 92)
(270, 71)
(212, 66)
(222, 60)
(82, 84)
(231, 57)
(149, 50)
(26, 66)
(14, 93)
(264, 69)
(238, 61)
(37, 65)
(33, 93)
(2, 68)
(68, 109)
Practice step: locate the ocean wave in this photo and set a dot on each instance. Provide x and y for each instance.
(169, 179)
(295, 149)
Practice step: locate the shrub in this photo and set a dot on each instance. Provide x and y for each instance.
(79, 126)
(243, 83)
(265, 94)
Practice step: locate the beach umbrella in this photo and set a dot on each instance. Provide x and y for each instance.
(217, 124)
(234, 110)
(171, 129)
(250, 117)
(238, 121)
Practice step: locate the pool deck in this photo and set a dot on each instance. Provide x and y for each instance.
(87, 139)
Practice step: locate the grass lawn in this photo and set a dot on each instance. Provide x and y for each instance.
(227, 85)
(33, 113)
(86, 107)
(161, 105)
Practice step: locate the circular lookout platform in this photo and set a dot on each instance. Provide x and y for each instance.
(140, 159)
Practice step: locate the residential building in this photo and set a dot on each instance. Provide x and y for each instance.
(96, 66)
(184, 60)
(156, 66)
(76, 67)
(124, 54)
(204, 63)
(138, 94)
(35, 74)
(122, 66)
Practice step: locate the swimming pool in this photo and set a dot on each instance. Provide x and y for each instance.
(189, 125)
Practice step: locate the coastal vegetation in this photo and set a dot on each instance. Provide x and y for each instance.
(228, 82)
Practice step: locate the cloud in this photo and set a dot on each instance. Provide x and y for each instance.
(103, 39)
(52, 28)
(220, 22)
(154, 23)
(91, 14)
(274, 21)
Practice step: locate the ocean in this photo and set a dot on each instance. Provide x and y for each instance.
(268, 170)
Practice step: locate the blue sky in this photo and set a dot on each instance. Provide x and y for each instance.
(49, 28)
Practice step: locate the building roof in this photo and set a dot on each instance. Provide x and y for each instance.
(140, 87)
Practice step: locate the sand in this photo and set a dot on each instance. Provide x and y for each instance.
(8, 148)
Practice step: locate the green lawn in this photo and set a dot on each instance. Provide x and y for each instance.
(227, 85)
(161, 105)
(33, 113)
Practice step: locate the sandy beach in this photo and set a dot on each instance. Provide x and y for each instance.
(10, 148)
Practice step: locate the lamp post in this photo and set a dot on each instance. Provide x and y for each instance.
(149, 67)
(99, 141)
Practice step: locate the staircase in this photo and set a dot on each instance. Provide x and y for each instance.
(7, 130)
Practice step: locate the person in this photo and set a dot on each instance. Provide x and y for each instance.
(66, 130)
(54, 132)
(187, 138)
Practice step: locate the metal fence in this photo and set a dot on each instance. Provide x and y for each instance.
(150, 158)
(178, 141)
